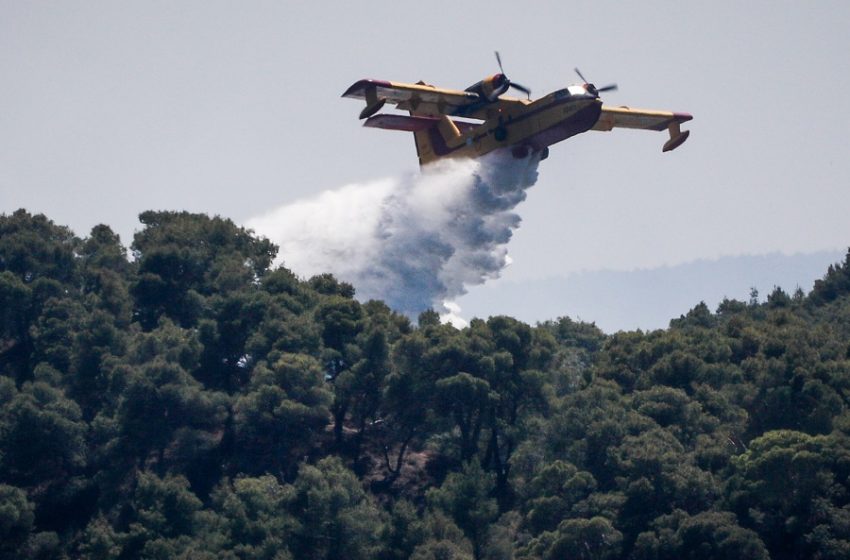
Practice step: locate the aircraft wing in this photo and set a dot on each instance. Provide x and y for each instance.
(420, 98)
(646, 119)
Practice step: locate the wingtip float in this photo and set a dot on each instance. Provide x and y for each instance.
(481, 118)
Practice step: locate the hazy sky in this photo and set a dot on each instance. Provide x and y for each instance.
(111, 108)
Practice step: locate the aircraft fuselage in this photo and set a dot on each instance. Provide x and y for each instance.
(537, 125)
(526, 127)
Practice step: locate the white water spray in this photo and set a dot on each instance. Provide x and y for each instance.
(415, 242)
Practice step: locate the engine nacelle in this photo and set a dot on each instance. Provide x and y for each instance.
(490, 88)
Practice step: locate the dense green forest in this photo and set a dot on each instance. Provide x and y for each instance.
(189, 400)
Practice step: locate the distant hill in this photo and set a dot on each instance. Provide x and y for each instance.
(646, 299)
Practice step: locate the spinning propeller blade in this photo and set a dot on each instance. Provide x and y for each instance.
(514, 85)
(583, 79)
(591, 88)
(521, 88)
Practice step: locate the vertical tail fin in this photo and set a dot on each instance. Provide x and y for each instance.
(435, 141)
(435, 137)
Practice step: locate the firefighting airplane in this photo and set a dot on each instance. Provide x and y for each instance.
(486, 120)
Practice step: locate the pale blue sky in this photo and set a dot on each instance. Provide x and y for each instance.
(111, 108)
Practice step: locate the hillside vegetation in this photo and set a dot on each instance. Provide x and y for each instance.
(195, 402)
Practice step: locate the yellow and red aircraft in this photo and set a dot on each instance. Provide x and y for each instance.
(486, 120)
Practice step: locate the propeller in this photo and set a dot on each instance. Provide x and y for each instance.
(514, 85)
(592, 88)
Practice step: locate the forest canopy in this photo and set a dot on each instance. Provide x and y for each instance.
(188, 399)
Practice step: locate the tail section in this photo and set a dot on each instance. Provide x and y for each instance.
(437, 141)
(435, 137)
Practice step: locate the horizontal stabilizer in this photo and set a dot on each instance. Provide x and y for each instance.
(401, 122)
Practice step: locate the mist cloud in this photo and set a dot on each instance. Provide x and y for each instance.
(415, 242)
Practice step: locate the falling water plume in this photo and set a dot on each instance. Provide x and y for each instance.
(416, 242)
